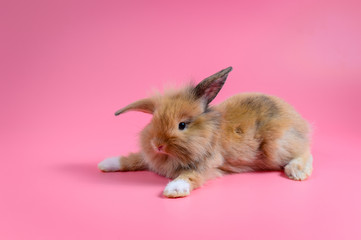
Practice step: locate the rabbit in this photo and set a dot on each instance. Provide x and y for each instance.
(191, 142)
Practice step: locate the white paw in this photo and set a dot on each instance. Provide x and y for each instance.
(111, 164)
(297, 170)
(177, 188)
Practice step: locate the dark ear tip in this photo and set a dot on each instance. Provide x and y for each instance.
(117, 112)
(227, 70)
(222, 73)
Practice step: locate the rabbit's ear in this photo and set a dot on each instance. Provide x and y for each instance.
(209, 87)
(144, 105)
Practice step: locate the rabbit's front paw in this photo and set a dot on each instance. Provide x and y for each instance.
(111, 164)
(177, 188)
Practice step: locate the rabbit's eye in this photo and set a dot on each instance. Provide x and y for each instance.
(182, 126)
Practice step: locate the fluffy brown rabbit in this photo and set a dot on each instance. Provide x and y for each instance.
(190, 142)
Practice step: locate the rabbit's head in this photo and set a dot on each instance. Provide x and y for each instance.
(183, 127)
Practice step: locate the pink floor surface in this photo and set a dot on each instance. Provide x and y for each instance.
(66, 66)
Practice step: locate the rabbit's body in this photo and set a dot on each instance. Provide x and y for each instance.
(260, 132)
(191, 142)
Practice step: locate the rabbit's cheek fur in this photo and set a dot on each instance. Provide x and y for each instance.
(163, 164)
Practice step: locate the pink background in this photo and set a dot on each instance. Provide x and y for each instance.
(66, 66)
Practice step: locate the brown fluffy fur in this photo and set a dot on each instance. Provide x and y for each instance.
(249, 131)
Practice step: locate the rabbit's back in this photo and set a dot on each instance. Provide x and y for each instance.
(260, 132)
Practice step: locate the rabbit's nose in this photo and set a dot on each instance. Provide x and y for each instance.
(160, 148)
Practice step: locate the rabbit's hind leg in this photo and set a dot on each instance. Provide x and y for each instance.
(299, 168)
